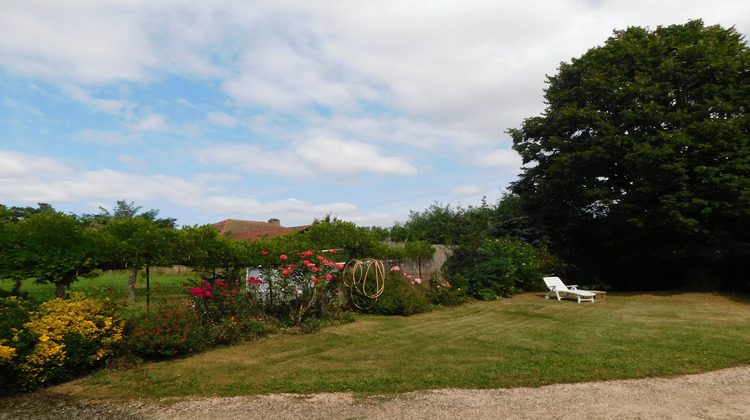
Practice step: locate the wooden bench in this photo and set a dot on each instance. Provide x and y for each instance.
(599, 293)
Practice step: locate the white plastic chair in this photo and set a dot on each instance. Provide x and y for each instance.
(557, 286)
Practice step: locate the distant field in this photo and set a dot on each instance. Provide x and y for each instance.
(165, 282)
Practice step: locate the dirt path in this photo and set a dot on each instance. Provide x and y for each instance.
(723, 394)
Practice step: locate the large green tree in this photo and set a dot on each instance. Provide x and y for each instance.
(51, 247)
(136, 239)
(639, 168)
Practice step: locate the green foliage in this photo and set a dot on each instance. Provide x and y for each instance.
(443, 224)
(168, 329)
(443, 293)
(218, 300)
(213, 255)
(57, 341)
(297, 283)
(53, 248)
(351, 240)
(639, 165)
(124, 210)
(411, 250)
(500, 267)
(401, 296)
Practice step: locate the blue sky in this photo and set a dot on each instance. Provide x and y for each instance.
(293, 110)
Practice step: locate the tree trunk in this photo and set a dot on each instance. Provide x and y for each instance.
(60, 291)
(132, 277)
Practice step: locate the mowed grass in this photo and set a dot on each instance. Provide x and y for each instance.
(165, 283)
(521, 341)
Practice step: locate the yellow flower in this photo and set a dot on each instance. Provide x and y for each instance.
(6, 353)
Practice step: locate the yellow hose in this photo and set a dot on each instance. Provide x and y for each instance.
(360, 277)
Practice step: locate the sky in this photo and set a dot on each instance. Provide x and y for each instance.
(295, 110)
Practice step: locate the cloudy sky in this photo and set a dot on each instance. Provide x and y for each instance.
(365, 110)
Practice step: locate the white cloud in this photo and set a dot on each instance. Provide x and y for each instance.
(104, 105)
(151, 122)
(345, 158)
(10, 103)
(251, 158)
(323, 156)
(16, 167)
(106, 137)
(31, 179)
(504, 159)
(467, 190)
(88, 42)
(222, 119)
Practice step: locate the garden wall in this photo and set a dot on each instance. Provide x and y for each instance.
(425, 268)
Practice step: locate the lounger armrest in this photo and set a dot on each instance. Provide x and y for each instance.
(573, 286)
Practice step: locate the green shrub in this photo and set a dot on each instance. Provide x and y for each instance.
(443, 293)
(218, 300)
(402, 295)
(58, 341)
(168, 329)
(500, 267)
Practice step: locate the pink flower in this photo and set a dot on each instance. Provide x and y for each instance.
(285, 272)
(283, 257)
(234, 292)
(333, 251)
(207, 293)
(315, 269)
(395, 268)
(224, 292)
(314, 279)
(264, 252)
(328, 276)
(418, 281)
(340, 266)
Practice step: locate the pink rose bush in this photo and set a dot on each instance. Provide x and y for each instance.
(296, 282)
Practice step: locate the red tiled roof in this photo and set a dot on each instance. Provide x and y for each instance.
(249, 230)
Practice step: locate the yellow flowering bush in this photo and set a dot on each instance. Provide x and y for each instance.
(62, 339)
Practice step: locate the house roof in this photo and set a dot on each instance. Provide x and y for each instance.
(251, 231)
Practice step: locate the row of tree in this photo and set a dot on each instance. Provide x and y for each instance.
(57, 248)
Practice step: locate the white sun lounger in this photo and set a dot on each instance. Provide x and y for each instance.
(556, 286)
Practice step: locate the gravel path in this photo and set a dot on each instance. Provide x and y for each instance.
(723, 394)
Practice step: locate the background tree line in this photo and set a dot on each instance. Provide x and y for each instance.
(52, 247)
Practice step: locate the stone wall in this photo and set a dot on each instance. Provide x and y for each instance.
(425, 268)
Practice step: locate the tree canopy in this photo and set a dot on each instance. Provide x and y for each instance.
(638, 168)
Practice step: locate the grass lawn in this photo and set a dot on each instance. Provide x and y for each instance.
(521, 341)
(164, 282)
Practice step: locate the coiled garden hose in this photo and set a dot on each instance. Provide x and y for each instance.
(360, 277)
